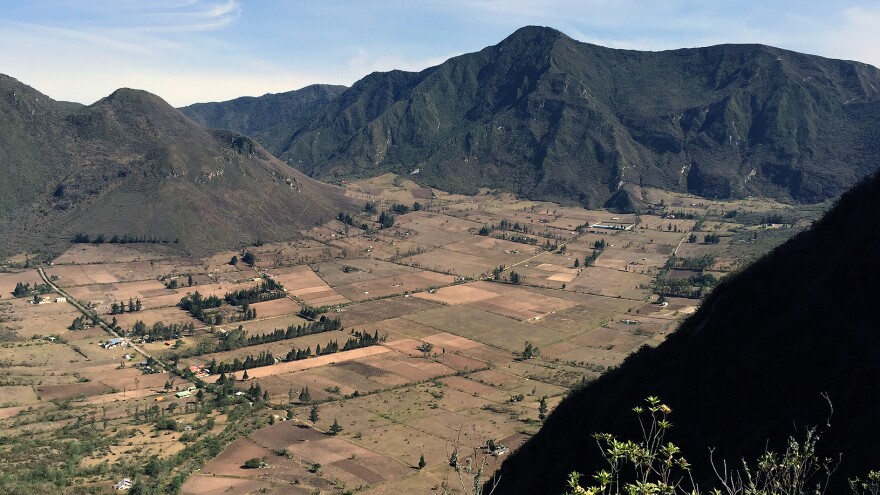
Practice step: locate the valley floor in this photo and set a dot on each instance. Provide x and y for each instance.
(456, 290)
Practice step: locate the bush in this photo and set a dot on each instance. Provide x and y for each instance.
(654, 467)
(166, 424)
(254, 463)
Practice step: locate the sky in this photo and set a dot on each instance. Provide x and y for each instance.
(189, 51)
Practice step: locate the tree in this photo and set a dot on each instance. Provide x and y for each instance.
(530, 351)
(313, 414)
(305, 396)
(386, 220)
(137, 304)
(692, 238)
(21, 290)
(422, 462)
(249, 258)
(233, 261)
(542, 408)
(577, 263)
(516, 278)
(245, 375)
(335, 429)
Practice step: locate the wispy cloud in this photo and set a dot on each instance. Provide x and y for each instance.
(195, 16)
(141, 16)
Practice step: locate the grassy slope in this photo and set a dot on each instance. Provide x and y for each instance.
(131, 164)
(270, 119)
(749, 366)
(546, 116)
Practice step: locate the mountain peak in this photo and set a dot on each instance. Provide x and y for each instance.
(533, 35)
(547, 117)
(132, 98)
(130, 164)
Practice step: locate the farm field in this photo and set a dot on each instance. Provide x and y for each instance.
(334, 363)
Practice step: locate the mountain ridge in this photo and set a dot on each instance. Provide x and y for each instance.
(548, 117)
(270, 119)
(132, 165)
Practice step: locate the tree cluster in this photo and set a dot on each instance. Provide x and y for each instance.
(265, 358)
(160, 331)
(236, 339)
(25, 290)
(267, 290)
(400, 209)
(121, 307)
(309, 312)
(356, 341)
(346, 218)
(507, 225)
(522, 239)
(82, 238)
(79, 323)
(197, 305)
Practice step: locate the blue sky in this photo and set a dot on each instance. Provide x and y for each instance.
(190, 51)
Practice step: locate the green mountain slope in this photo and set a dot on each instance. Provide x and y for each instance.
(270, 119)
(548, 117)
(130, 164)
(749, 366)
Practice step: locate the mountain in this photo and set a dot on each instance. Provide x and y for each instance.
(548, 117)
(270, 119)
(130, 164)
(749, 368)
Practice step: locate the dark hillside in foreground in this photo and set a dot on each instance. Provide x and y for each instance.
(131, 165)
(270, 119)
(548, 117)
(749, 366)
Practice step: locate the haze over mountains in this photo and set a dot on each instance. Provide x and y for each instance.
(130, 164)
(545, 116)
(749, 368)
